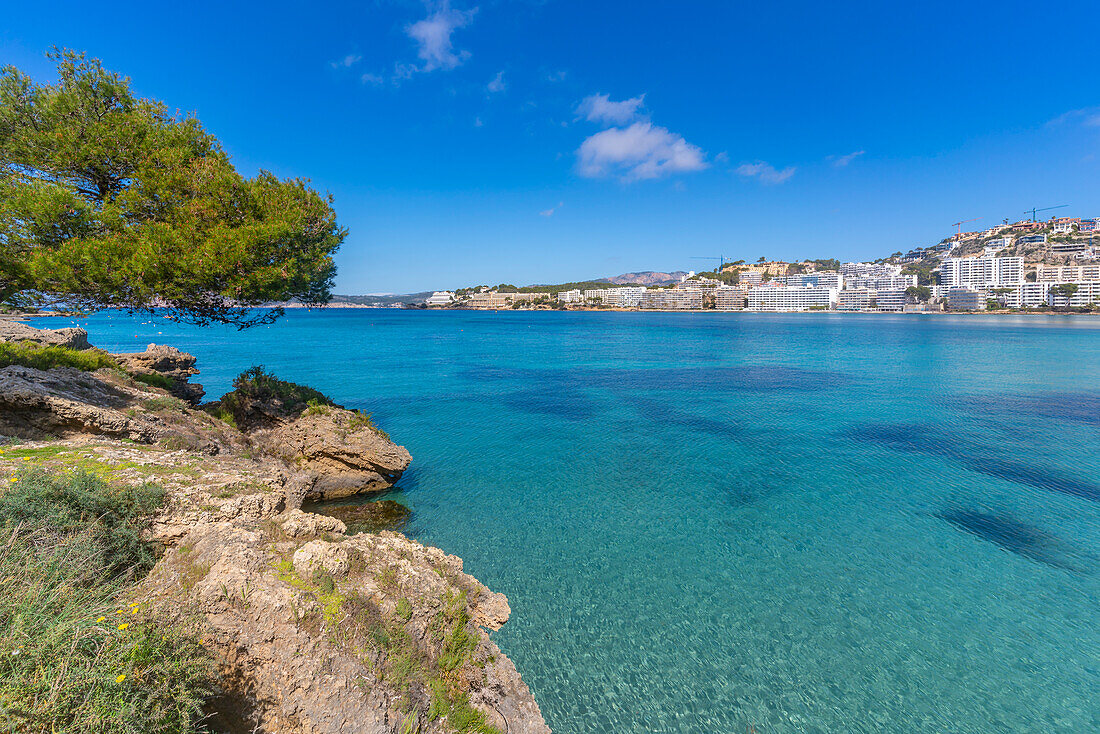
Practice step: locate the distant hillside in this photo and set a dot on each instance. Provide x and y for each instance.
(380, 300)
(647, 277)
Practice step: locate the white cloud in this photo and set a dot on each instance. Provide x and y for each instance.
(369, 78)
(1092, 120)
(497, 84)
(640, 151)
(556, 76)
(478, 122)
(766, 172)
(600, 108)
(433, 37)
(842, 160)
(347, 61)
(550, 212)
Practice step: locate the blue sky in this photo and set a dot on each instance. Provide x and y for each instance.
(522, 142)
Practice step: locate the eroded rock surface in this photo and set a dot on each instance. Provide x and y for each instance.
(158, 359)
(73, 337)
(346, 455)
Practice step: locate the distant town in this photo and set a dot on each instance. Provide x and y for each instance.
(1029, 265)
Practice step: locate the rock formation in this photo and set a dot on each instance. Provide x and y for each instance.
(73, 338)
(314, 630)
(176, 366)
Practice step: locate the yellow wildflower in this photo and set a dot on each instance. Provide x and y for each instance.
(101, 619)
(134, 610)
(120, 678)
(123, 626)
(134, 603)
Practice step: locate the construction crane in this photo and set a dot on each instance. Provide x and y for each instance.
(959, 225)
(1043, 210)
(721, 261)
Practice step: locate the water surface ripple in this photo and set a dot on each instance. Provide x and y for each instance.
(706, 523)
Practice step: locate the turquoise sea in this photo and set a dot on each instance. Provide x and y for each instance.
(741, 522)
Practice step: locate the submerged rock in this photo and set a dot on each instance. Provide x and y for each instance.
(371, 517)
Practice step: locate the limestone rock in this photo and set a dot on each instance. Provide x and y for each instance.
(291, 665)
(319, 555)
(298, 524)
(169, 362)
(66, 402)
(348, 456)
(72, 337)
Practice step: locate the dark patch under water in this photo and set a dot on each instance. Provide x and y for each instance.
(755, 378)
(1026, 541)
(1080, 407)
(918, 438)
(370, 517)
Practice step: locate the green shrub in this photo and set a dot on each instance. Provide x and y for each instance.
(256, 385)
(155, 379)
(74, 656)
(39, 357)
(112, 517)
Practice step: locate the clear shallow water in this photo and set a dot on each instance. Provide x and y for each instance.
(804, 523)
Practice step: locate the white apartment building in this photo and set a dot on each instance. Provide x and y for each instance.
(825, 279)
(1086, 295)
(781, 298)
(890, 299)
(998, 243)
(869, 270)
(672, 298)
(1063, 228)
(573, 296)
(627, 297)
(885, 282)
(598, 295)
(856, 299)
(966, 299)
(750, 278)
(982, 272)
(440, 298)
(1068, 273)
(729, 298)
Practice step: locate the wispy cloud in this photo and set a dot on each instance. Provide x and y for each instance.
(370, 78)
(497, 84)
(641, 151)
(765, 172)
(433, 37)
(1086, 116)
(349, 60)
(842, 160)
(601, 108)
(550, 212)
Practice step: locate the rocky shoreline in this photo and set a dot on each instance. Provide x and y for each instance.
(313, 629)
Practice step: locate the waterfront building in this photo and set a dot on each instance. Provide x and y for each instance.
(440, 298)
(573, 296)
(488, 299)
(1087, 294)
(966, 299)
(889, 299)
(783, 298)
(982, 272)
(626, 297)
(856, 299)
(998, 243)
(1033, 239)
(729, 298)
(597, 295)
(523, 297)
(672, 298)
